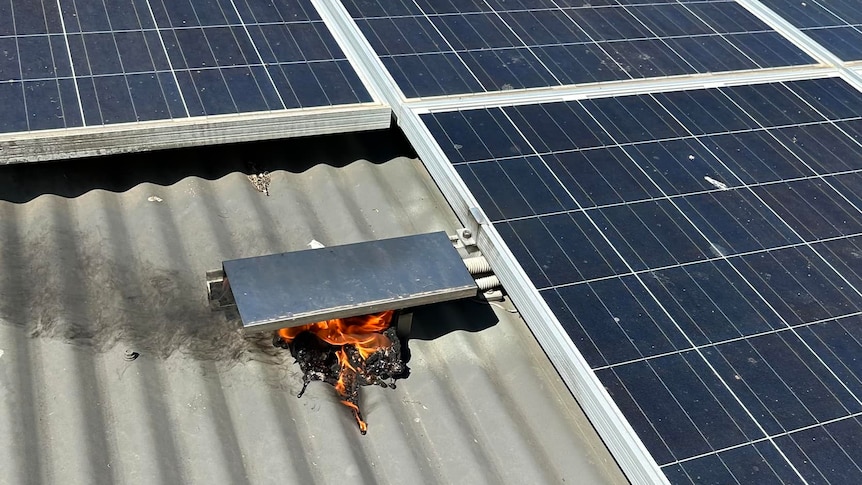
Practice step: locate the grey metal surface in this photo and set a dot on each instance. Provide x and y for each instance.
(103, 257)
(48, 145)
(289, 289)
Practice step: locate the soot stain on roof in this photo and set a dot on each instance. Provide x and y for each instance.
(162, 314)
(74, 266)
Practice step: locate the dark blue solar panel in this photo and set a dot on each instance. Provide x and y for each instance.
(845, 255)
(827, 454)
(812, 208)
(835, 24)
(759, 462)
(712, 304)
(698, 414)
(444, 48)
(703, 251)
(98, 63)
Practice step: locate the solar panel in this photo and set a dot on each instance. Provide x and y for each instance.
(95, 64)
(836, 24)
(701, 249)
(446, 48)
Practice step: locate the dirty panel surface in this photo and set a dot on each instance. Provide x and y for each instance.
(449, 48)
(68, 64)
(700, 248)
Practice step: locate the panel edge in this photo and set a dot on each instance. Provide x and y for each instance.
(189, 132)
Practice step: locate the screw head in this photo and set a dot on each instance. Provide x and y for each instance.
(467, 234)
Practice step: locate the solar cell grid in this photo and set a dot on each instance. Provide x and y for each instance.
(836, 24)
(844, 254)
(98, 62)
(708, 269)
(446, 48)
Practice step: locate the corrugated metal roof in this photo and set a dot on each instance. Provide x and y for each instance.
(101, 258)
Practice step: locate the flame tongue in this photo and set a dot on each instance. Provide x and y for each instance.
(347, 353)
(363, 332)
(347, 388)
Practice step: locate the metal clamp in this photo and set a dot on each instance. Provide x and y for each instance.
(219, 293)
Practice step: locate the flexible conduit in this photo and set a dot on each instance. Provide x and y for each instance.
(486, 283)
(477, 265)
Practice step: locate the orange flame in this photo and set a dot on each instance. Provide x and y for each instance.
(341, 387)
(363, 332)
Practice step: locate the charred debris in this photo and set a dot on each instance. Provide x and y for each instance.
(347, 353)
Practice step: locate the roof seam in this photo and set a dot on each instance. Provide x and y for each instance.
(622, 88)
